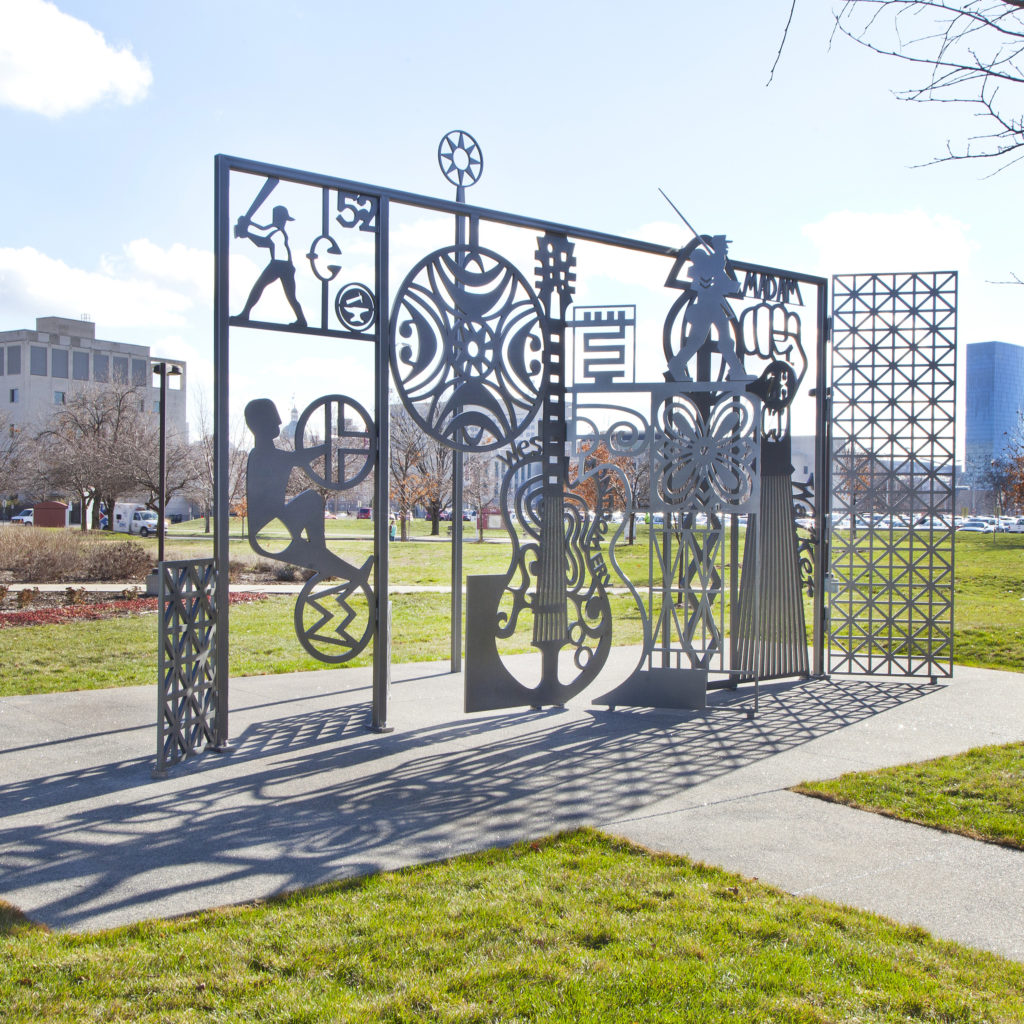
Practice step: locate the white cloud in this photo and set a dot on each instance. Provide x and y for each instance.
(33, 284)
(144, 286)
(54, 64)
(178, 264)
(850, 242)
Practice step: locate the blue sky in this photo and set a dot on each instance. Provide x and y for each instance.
(111, 114)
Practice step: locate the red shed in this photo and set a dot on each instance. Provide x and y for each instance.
(50, 513)
(492, 518)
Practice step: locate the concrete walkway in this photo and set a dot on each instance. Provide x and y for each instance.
(88, 839)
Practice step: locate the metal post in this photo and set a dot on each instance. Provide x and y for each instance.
(163, 369)
(381, 490)
(822, 480)
(456, 602)
(457, 468)
(163, 460)
(221, 468)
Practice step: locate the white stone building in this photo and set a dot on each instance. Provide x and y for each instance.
(42, 369)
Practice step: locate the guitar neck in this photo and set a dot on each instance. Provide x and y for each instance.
(551, 619)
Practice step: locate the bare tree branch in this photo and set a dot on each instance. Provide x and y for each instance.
(782, 43)
(972, 53)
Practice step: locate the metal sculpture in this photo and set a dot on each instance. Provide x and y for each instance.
(460, 159)
(702, 321)
(467, 345)
(604, 344)
(334, 613)
(893, 409)
(770, 638)
(494, 359)
(274, 237)
(564, 561)
(191, 697)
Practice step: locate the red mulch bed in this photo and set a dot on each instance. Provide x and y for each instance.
(52, 615)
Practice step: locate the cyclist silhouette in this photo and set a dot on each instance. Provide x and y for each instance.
(267, 473)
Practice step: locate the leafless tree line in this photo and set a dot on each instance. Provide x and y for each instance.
(102, 447)
(421, 473)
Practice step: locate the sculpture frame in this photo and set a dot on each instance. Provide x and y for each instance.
(756, 403)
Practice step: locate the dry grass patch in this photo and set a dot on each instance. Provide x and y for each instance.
(35, 554)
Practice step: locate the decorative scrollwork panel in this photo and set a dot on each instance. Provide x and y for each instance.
(467, 344)
(705, 451)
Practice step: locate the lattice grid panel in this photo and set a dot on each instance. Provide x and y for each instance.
(892, 489)
(187, 664)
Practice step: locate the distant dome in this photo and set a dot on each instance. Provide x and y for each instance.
(288, 430)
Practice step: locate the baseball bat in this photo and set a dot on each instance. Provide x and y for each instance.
(268, 186)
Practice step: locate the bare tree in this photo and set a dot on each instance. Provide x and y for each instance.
(1003, 480)
(1006, 472)
(13, 458)
(408, 451)
(202, 489)
(92, 447)
(436, 482)
(968, 53)
(481, 484)
(180, 469)
(638, 475)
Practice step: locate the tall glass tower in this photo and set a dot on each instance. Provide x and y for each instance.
(995, 402)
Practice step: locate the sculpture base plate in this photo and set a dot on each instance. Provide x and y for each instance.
(683, 688)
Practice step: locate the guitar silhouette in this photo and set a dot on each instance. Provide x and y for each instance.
(557, 574)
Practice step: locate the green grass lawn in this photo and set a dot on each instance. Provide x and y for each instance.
(989, 615)
(581, 927)
(979, 793)
(989, 584)
(123, 651)
(421, 560)
(989, 600)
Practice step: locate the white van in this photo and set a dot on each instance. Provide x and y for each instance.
(129, 518)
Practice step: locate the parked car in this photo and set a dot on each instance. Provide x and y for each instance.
(26, 517)
(936, 523)
(1016, 525)
(976, 526)
(364, 513)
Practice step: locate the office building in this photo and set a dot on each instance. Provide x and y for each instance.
(42, 369)
(994, 403)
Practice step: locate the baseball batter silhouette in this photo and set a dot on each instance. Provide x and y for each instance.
(274, 237)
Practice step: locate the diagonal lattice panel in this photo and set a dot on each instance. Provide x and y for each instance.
(189, 697)
(892, 474)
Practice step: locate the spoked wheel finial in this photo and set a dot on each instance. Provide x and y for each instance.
(461, 159)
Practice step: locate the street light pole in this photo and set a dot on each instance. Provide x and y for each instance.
(163, 369)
